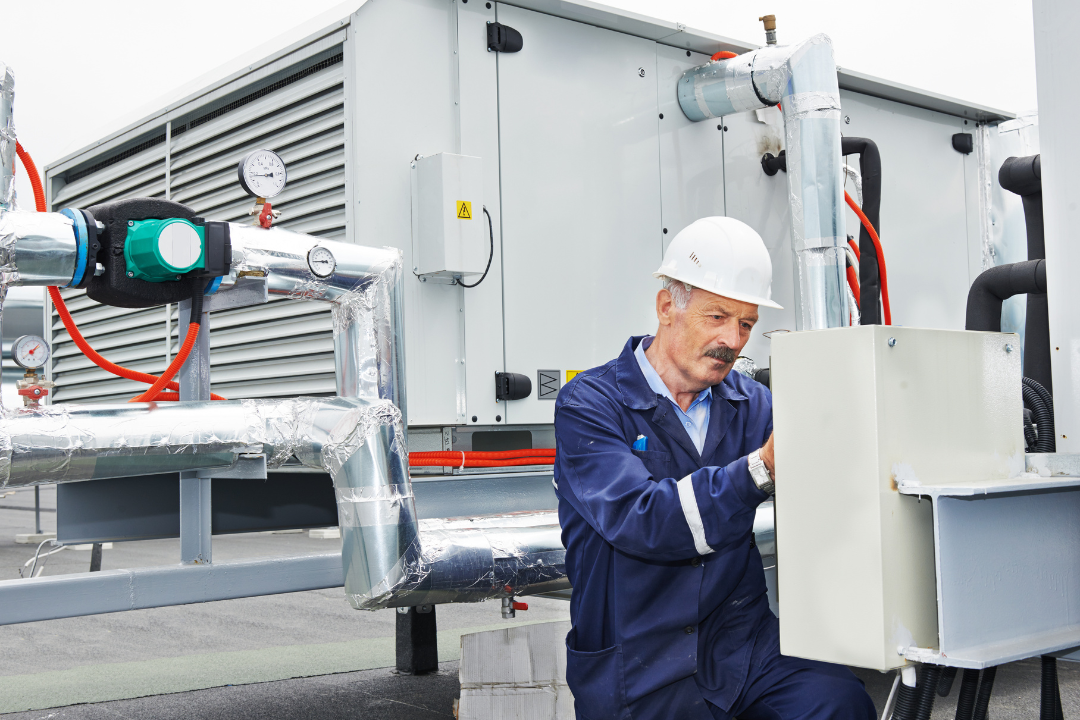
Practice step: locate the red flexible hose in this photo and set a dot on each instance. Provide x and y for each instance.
(481, 455)
(61, 306)
(855, 249)
(545, 460)
(177, 362)
(35, 181)
(880, 257)
(853, 283)
(724, 55)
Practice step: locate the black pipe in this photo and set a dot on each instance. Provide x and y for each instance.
(1044, 419)
(969, 688)
(1050, 697)
(869, 277)
(998, 284)
(928, 684)
(907, 702)
(986, 687)
(1023, 176)
(945, 684)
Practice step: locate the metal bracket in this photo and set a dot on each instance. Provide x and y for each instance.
(248, 290)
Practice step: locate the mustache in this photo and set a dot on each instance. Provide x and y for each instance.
(723, 353)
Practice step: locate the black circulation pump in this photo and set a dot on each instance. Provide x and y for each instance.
(512, 386)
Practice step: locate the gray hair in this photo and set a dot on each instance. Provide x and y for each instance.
(680, 291)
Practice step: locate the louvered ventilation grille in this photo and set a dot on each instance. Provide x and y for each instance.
(279, 349)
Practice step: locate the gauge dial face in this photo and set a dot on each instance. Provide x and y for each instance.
(30, 352)
(321, 261)
(262, 173)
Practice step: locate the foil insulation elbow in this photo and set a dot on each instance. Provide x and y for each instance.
(802, 80)
(7, 137)
(470, 560)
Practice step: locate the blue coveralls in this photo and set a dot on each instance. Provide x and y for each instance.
(661, 630)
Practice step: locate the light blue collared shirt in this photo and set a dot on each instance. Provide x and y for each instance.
(696, 418)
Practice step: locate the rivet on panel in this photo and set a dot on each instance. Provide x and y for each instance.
(892, 342)
(1008, 348)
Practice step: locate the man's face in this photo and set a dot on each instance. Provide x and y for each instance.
(707, 336)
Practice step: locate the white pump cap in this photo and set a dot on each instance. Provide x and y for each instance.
(723, 256)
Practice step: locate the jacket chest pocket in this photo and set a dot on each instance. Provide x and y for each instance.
(659, 464)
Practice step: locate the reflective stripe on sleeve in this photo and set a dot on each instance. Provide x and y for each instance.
(693, 515)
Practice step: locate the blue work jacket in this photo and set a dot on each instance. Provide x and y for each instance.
(660, 622)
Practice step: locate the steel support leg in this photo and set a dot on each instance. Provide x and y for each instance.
(417, 646)
(194, 379)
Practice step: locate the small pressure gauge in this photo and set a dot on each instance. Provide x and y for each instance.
(30, 352)
(321, 261)
(262, 173)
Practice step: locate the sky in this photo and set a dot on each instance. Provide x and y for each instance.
(84, 69)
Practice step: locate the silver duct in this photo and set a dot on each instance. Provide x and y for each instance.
(7, 137)
(802, 79)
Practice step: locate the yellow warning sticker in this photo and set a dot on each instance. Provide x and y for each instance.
(464, 210)
(570, 374)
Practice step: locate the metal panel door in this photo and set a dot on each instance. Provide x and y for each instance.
(582, 232)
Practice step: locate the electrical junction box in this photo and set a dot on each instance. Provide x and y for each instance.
(450, 232)
(863, 417)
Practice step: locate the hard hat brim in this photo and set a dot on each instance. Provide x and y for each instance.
(741, 297)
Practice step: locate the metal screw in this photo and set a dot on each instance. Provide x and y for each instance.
(892, 342)
(130, 274)
(131, 223)
(1008, 348)
(847, 119)
(99, 270)
(99, 225)
(641, 72)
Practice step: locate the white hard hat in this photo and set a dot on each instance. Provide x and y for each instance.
(723, 256)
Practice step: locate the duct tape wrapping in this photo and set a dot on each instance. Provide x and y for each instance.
(36, 248)
(7, 137)
(67, 443)
(474, 559)
(718, 88)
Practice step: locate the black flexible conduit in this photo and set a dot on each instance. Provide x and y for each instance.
(969, 688)
(946, 682)
(928, 685)
(907, 702)
(869, 278)
(1050, 696)
(1043, 415)
(986, 687)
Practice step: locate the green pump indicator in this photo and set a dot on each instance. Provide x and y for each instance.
(163, 250)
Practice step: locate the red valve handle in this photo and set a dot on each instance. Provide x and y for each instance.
(520, 605)
(266, 217)
(34, 391)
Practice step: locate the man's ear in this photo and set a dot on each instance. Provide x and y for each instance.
(665, 306)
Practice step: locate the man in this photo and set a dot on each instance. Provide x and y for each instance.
(663, 456)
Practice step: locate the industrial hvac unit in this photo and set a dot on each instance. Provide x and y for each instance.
(532, 190)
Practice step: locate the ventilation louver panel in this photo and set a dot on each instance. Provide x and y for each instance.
(283, 348)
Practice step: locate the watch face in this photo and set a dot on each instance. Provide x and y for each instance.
(321, 261)
(30, 352)
(262, 173)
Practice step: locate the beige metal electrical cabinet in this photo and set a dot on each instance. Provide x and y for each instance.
(860, 413)
(450, 233)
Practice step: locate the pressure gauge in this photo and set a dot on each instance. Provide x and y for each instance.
(30, 352)
(262, 173)
(321, 261)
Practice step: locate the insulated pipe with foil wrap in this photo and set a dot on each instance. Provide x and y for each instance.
(802, 80)
(389, 559)
(7, 137)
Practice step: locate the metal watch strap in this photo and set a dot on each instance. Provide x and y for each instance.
(760, 473)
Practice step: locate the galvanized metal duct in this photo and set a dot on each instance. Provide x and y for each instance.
(802, 80)
(7, 137)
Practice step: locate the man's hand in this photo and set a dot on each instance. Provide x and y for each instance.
(766, 455)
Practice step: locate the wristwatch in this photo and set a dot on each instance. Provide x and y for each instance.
(760, 473)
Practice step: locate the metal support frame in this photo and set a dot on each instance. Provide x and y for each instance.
(1007, 555)
(194, 379)
(417, 640)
